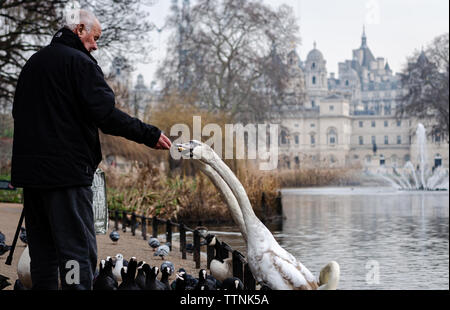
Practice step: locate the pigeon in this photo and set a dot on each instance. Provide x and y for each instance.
(4, 282)
(105, 280)
(154, 243)
(114, 236)
(2, 238)
(129, 277)
(233, 284)
(4, 248)
(170, 265)
(162, 251)
(151, 281)
(23, 235)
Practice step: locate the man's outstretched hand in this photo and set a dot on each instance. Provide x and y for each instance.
(163, 143)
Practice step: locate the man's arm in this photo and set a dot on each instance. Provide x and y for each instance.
(99, 103)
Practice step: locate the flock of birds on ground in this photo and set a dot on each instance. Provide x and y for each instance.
(134, 275)
(272, 266)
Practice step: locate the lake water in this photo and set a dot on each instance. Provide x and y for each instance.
(382, 238)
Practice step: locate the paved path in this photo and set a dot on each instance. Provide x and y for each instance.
(128, 245)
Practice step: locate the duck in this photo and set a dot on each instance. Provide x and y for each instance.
(233, 284)
(140, 278)
(162, 251)
(129, 277)
(18, 286)
(154, 243)
(220, 268)
(114, 236)
(151, 280)
(117, 271)
(271, 265)
(204, 284)
(165, 274)
(190, 281)
(105, 280)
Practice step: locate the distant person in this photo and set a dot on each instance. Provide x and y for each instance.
(61, 101)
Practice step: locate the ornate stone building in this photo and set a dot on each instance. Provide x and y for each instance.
(350, 120)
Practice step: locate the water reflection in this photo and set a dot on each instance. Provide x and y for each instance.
(406, 233)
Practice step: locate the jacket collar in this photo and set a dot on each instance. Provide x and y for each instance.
(67, 37)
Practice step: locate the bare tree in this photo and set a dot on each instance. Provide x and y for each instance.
(226, 53)
(28, 25)
(427, 80)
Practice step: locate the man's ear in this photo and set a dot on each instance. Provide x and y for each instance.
(80, 29)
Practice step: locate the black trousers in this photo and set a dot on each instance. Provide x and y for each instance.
(61, 234)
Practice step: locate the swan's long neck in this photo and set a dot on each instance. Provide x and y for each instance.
(228, 195)
(236, 187)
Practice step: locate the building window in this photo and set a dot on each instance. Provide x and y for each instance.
(313, 65)
(297, 161)
(368, 159)
(347, 83)
(386, 124)
(361, 140)
(313, 104)
(382, 160)
(399, 123)
(407, 158)
(297, 140)
(437, 161)
(283, 137)
(313, 139)
(332, 136)
(314, 80)
(399, 139)
(374, 124)
(386, 140)
(361, 124)
(374, 140)
(331, 107)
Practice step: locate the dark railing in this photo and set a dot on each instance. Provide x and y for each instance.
(241, 269)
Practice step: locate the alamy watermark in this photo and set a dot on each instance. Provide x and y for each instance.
(373, 272)
(253, 141)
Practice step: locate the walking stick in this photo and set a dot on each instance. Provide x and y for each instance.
(13, 246)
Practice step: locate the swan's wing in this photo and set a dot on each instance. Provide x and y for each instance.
(296, 275)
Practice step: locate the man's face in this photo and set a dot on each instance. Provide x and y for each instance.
(90, 38)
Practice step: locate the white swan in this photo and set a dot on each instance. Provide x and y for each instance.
(270, 264)
(329, 276)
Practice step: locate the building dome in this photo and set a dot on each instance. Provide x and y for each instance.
(315, 55)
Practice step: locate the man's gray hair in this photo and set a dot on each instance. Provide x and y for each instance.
(85, 17)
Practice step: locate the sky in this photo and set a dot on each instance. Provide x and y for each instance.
(394, 28)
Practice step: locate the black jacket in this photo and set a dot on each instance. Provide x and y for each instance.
(61, 101)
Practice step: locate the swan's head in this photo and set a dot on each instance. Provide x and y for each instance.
(196, 150)
(329, 276)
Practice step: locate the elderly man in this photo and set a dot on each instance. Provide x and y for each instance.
(61, 101)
